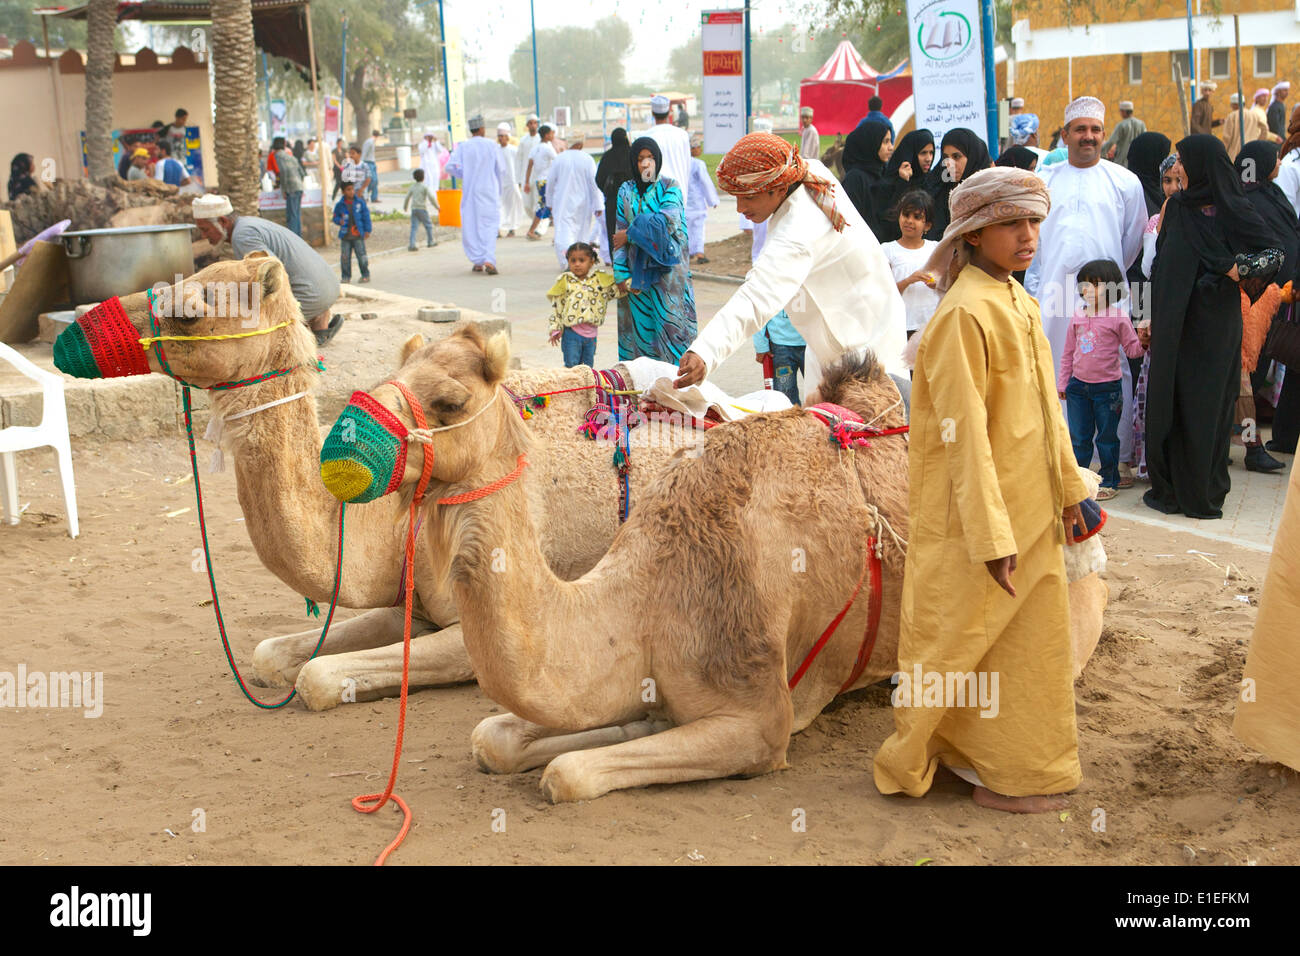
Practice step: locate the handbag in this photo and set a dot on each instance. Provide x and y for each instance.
(1259, 265)
(1283, 341)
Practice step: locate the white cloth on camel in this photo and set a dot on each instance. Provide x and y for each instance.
(654, 379)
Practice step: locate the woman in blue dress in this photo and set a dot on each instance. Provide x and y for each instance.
(657, 318)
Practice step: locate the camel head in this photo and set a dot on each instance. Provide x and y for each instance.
(456, 381)
(235, 319)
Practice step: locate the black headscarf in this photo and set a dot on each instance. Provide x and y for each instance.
(1145, 154)
(1255, 165)
(20, 176)
(940, 186)
(644, 142)
(611, 173)
(1212, 181)
(1021, 157)
(908, 150)
(864, 173)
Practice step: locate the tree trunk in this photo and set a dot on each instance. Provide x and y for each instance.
(101, 25)
(235, 93)
(357, 100)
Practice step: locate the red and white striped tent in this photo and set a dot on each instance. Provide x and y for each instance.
(839, 91)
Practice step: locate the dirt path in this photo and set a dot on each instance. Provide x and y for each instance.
(175, 736)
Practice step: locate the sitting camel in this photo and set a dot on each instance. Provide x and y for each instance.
(291, 518)
(672, 659)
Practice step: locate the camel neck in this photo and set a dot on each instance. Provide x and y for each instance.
(290, 516)
(538, 643)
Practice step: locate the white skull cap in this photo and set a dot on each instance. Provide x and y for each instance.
(211, 206)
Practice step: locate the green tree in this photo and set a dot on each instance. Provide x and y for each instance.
(389, 41)
(17, 22)
(586, 61)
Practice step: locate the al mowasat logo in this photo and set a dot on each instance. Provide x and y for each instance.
(74, 909)
(944, 37)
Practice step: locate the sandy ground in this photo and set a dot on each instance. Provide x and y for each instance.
(176, 737)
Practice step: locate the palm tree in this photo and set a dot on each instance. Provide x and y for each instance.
(235, 93)
(101, 25)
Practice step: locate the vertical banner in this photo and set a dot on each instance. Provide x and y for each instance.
(947, 66)
(456, 85)
(331, 119)
(279, 118)
(722, 41)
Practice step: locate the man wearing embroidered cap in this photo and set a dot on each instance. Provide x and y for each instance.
(1017, 106)
(482, 166)
(820, 263)
(674, 145)
(313, 282)
(1099, 211)
(513, 214)
(1128, 129)
(994, 491)
(1277, 111)
(810, 141)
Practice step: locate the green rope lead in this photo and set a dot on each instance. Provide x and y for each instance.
(212, 581)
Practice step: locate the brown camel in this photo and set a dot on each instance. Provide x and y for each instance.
(292, 519)
(669, 660)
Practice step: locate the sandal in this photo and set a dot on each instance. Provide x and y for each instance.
(1105, 494)
(490, 269)
(324, 335)
(477, 268)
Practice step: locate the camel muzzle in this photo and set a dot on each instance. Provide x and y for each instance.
(364, 455)
(101, 344)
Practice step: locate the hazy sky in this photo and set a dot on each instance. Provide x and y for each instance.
(493, 28)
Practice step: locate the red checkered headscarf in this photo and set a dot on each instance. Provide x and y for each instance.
(761, 162)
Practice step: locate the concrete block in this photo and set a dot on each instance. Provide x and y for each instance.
(438, 314)
(22, 408)
(141, 406)
(83, 415)
(26, 408)
(51, 324)
(490, 327)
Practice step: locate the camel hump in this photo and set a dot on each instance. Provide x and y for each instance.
(844, 379)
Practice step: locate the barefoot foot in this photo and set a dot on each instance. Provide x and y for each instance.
(1037, 804)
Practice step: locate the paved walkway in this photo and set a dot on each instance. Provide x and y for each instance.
(1251, 512)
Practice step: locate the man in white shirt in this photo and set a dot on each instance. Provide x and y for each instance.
(526, 146)
(431, 153)
(820, 263)
(1288, 178)
(810, 141)
(577, 204)
(482, 166)
(368, 158)
(1098, 212)
(513, 214)
(674, 146)
(539, 166)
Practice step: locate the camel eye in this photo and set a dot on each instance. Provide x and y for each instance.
(450, 408)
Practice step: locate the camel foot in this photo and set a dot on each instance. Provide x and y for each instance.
(565, 780)
(1036, 804)
(509, 744)
(274, 664)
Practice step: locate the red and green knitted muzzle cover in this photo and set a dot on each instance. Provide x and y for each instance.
(364, 455)
(101, 344)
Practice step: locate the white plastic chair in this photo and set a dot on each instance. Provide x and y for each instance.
(52, 431)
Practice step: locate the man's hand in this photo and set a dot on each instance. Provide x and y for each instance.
(1000, 569)
(620, 239)
(1144, 335)
(527, 188)
(1074, 523)
(691, 371)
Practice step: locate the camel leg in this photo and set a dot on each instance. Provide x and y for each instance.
(704, 749)
(276, 660)
(438, 658)
(509, 744)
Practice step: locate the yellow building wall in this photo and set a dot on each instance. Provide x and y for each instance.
(1046, 14)
(1046, 86)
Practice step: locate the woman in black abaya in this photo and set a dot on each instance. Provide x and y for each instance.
(906, 170)
(1196, 332)
(962, 155)
(1145, 154)
(612, 172)
(866, 150)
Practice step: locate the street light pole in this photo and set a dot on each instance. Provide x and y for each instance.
(537, 90)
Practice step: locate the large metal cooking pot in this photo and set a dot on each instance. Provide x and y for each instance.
(103, 263)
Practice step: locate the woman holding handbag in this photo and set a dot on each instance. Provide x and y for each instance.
(1210, 238)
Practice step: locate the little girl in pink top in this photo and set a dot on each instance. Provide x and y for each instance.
(1100, 335)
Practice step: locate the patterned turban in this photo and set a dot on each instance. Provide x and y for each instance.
(998, 194)
(761, 162)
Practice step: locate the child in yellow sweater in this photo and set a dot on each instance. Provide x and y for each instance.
(579, 300)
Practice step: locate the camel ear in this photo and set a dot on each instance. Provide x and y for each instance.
(257, 254)
(270, 273)
(496, 357)
(411, 346)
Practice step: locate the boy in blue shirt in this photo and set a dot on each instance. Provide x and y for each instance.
(352, 216)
